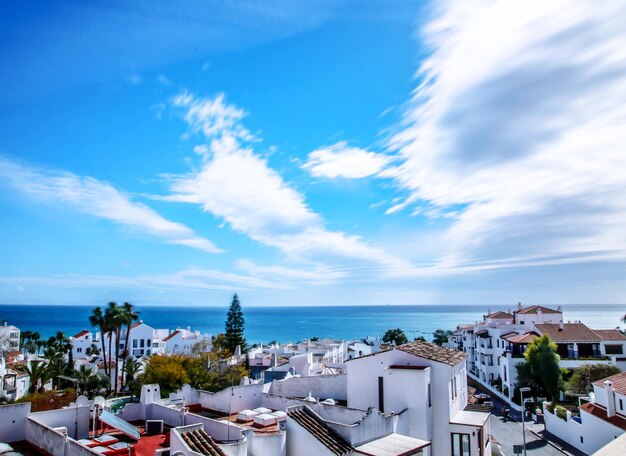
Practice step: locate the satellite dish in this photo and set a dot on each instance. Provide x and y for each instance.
(99, 401)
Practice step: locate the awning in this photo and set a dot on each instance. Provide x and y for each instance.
(120, 425)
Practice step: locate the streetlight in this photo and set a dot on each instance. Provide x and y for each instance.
(521, 393)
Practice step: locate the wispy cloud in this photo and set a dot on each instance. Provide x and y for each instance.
(235, 183)
(100, 199)
(342, 160)
(518, 129)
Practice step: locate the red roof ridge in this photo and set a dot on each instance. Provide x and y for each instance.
(171, 335)
(84, 332)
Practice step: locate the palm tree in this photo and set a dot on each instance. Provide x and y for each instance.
(115, 316)
(129, 315)
(97, 319)
(92, 350)
(131, 369)
(39, 374)
(24, 339)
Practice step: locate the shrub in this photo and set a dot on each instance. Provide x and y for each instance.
(561, 412)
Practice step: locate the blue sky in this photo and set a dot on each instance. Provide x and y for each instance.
(313, 153)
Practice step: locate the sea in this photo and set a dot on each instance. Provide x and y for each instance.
(292, 324)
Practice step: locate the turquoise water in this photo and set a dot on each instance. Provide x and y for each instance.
(264, 324)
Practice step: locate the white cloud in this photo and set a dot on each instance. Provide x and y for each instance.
(342, 160)
(518, 129)
(99, 199)
(236, 184)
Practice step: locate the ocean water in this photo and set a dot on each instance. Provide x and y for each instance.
(264, 324)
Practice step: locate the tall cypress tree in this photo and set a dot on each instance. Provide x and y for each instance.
(234, 326)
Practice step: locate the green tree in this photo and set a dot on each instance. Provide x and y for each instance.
(128, 316)
(543, 363)
(116, 318)
(132, 368)
(97, 319)
(395, 335)
(85, 377)
(234, 327)
(38, 373)
(219, 342)
(167, 371)
(440, 336)
(584, 376)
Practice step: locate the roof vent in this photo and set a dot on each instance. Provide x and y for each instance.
(561, 325)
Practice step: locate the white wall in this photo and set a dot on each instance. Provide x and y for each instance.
(595, 432)
(232, 399)
(300, 442)
(45, 438)
(335, 413)
(320, 386)
(268, 444)
(13, 421)
(66, 417)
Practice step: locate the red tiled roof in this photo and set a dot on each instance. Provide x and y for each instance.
(609, 334)
(481, 332)
(500, 315)
(619, 382)
(84, 332)
(534, 309)
(509, 334)
(134, 325)
(171, 335)
(600, 412)
(526, 338)
(433, 352)
(577, 332)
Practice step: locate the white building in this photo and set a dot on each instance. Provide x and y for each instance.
(496, 344)
(9, 339)
(601, 420)
(183, 341)
(426, 386)
(80, 343)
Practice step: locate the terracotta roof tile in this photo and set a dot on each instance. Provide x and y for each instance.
(570, 332)
(600, 412)
(610, 334)
(433, 352)
(318, 429)
(134, 325)
(171, 335)
(84, 332)
(534, 309)
(500, 315)
(619, 382)
(526, 338)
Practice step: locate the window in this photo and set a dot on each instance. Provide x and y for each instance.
(505, 374)
(381, 394)
(460, 444)
(614, 349)
(80, 350)
(621, 405)
(134, 343)
(142, 343)
(430, 402)
(149, 342)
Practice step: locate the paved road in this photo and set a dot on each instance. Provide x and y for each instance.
(509, 433)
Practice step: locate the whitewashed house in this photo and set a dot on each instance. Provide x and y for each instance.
(497, 344)
(602, 419)
(9, 339)
(426, 386)
(80, 343)
(183, 341)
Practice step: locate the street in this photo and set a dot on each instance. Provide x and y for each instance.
(509, 433)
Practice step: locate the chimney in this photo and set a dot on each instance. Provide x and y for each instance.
(610, 398)
(559, 309)
(273, 360)
(560, 325)
(519, 306)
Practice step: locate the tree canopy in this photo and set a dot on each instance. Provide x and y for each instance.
(234, 327)
(206, 372)
(583, 377)
(543, 366)
(395, 335)
(440, 336)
